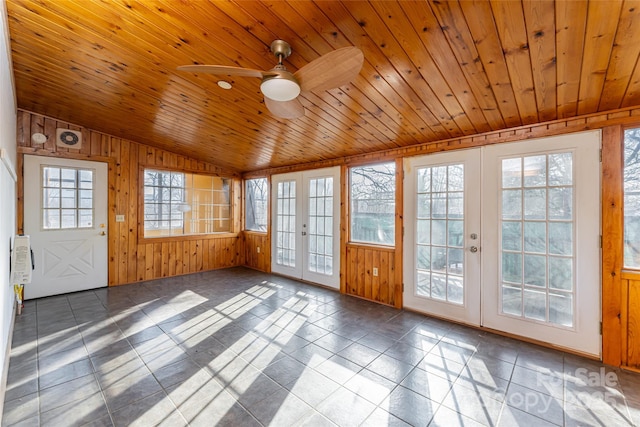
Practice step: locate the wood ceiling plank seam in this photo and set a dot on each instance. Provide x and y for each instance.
(513, 37)
(483, 48)
(335, 38)
(386, 98)
(541, 32)
(241, 25)
(602, 22)
(354, 121)
(450, 86)
(420, 95)
(624, 58)
(442, 33)
(191, 153)
(571, 21)
(299, 25)
(281, 14)
(49, 66)
(61, 88)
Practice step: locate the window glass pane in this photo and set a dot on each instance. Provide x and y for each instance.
(177, 203)
(67, 198)
(373, 203)
(631, 176)
(537, 246)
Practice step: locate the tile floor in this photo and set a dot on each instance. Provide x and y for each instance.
(241, 348)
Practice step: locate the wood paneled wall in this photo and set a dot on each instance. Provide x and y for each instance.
(631, 319)
(257, 251)
(359, 278)
(132, 258)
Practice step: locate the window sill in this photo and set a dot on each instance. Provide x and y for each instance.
(379, 247)
(188, 237)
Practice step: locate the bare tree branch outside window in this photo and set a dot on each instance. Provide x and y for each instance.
(257, 194)
(372, 213)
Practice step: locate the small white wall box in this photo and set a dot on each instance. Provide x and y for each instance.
(21, 260)
(68, 138)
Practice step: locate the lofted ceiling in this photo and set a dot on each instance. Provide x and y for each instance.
(432, 70)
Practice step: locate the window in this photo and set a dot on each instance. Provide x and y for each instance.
(373, 203)
(177, 203)
(67, 198)
(631, 176)
(256, 196)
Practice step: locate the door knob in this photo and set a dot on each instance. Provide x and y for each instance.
(473, 249)
(102, 233)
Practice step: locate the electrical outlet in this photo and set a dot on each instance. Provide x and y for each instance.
(375, 271)
(119, 218)
(258, 249)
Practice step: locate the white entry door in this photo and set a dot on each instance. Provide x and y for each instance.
(442, 235)
(66, 217)
(541, 251)
(306, 226)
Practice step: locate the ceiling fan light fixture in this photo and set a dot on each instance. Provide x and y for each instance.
(282, 87)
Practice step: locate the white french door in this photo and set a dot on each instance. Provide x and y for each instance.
(305, 226)
(66, 217)
(541, 240)
(442, 235)
(507, 237)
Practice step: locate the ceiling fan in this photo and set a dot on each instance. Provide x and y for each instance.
(281, 87)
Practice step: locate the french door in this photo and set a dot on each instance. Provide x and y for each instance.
(442, 235)
(541, 240)
(306, 226)
(507, 237)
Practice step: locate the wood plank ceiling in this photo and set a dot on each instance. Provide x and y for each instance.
(433, 70)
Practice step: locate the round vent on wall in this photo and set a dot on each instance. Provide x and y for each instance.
(68, 138)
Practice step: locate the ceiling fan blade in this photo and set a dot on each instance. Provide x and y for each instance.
(222, 70)
(332, 70)
(285, 109)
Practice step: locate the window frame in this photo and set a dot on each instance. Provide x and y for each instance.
(234, 192)
(396, 194)
(267, 206)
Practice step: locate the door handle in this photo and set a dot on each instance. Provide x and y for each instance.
(473, 249)
(304, 233)
(102, 233)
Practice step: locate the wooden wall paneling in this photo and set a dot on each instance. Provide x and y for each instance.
(131, 259)
(368, 274)
(612, 243)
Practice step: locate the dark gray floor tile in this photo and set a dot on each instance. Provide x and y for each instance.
(311, 355)
(427, 384)
(540, 380)
(390, 368)
(538, 404)
(333, 342)
(478, 407)
(176, 373)
(346, 408)
(154, 410)
(78, 412)
(285, 370)
(280, 408)
(359, 354)
(129, 390)
(446, 417)
(515, 417)
(406, 353)
(69, 392)
(338, 369)
(411, 407)
(312, 387)
(54, 374)
(371, 386)
(21, 410)
(380, 417)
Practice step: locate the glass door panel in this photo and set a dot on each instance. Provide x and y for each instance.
(541, 257)
(442, 226)
(306, 225)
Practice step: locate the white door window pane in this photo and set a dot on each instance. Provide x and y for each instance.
(67, 198)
